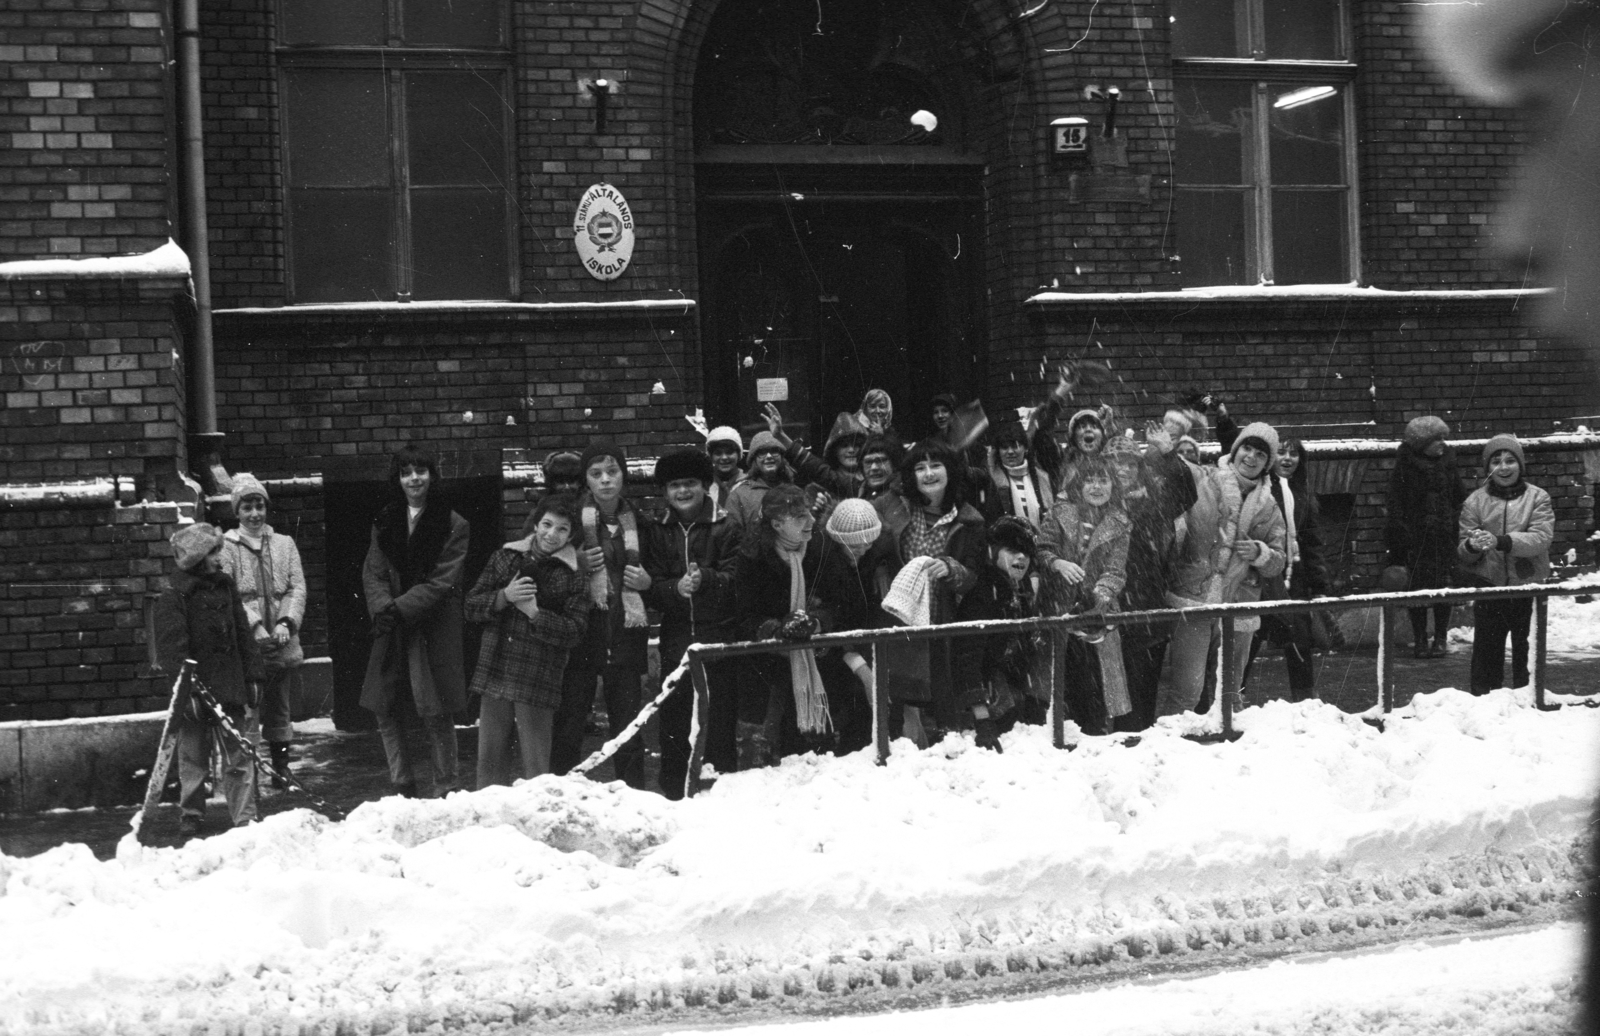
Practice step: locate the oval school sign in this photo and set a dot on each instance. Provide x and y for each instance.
(603, 232)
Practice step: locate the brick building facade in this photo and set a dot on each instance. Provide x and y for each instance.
(792, 223)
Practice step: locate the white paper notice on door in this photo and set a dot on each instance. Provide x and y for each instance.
(772, 390)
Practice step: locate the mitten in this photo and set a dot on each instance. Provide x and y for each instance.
(799, 626)
(385, 621)
(768, 630)
(987, 734)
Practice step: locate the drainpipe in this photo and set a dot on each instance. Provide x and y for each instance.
(205, 445)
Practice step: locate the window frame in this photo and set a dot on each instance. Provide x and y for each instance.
(395, 59)
(1260, 72)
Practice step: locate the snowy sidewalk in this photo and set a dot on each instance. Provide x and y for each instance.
(820, 884)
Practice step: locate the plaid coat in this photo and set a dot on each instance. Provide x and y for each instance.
(520, 659)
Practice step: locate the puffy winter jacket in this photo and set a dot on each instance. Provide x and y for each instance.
(1523, 526)
(1222, 514)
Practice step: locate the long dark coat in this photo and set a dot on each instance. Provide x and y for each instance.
(1425, 497)
(421, 574)
(200, 616)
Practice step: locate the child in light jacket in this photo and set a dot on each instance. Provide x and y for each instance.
(1506, 528)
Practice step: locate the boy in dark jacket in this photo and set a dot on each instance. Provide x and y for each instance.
(200, 617)
(694, 547)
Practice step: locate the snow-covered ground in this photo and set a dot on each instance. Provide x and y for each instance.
(815, 878)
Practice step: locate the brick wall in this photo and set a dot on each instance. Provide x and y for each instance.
(91, 379)
(1433, 163)
(84, 109)
(73, 585)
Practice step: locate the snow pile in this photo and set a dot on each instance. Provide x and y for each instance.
(822, 877)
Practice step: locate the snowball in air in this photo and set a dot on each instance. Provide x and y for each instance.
(466, 415)
(926, 119)
(658, 389)
(749, 361)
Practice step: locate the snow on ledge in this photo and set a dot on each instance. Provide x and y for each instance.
(1287, 293)
(167, 261)
(452, 306)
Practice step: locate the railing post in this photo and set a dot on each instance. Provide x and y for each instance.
(1058, 698)
(698, 717)
(1541, 623)
(880, 712)
(1228, 681)
(1386, 616)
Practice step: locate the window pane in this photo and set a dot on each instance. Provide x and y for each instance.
(1211, 237)
(458, 245)
(1308, 237)
(452, 23)
(455, 123)
(1307, 134)
(1303, 29)
(1214, 132)
(1209, 29)
(343, 244)
(333, 22)
(337, 129)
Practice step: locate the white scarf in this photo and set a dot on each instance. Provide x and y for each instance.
(810, 699)
(1024, 498)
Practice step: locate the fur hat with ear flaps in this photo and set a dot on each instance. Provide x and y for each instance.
(683, 462)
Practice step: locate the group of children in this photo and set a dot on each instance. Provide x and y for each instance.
(779, 541)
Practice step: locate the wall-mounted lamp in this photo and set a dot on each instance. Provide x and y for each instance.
(602, 95)
(1113, 95)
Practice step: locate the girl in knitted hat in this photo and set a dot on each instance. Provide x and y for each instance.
(1505, 532)
(615, 648)
(199, 616)
(1425, 496)
(1234, 538)
(265, 566)
(413, 578)
(848, 558)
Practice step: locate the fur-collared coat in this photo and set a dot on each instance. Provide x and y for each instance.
(200, 616)
(523, 660)
(420, 573)
(1097, 543)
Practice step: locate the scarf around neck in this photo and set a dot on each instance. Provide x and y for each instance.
(810, 699)
(600, 580)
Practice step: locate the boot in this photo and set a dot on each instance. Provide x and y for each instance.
(280, 764)
(755, 751)
(1440, 648)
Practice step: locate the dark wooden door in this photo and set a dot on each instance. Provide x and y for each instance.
(838, 297)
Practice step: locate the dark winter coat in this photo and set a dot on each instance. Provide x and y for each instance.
(1425, 497)
(1307, 567)
(923, 672)
(1168, 492)
(825, 471)
(200, 616)
(421, 574)
(1099, 544)
(998, 669)
(609, 642)
(521, 659)
(711, 541)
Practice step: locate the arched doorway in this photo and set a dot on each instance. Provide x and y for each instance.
(840, 238)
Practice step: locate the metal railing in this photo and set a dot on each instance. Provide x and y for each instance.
(1389, 605)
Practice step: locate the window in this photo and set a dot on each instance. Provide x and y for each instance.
(396, 136)
(1264, 159)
